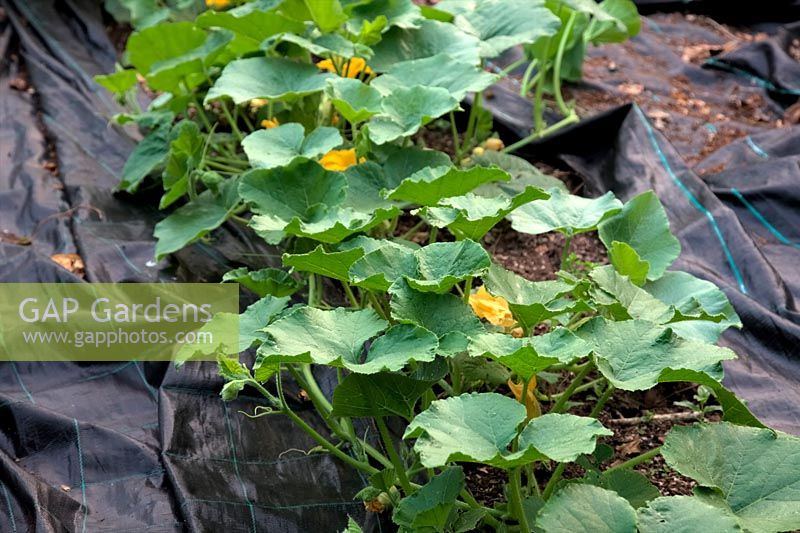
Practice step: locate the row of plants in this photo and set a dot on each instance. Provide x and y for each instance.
(301, 121)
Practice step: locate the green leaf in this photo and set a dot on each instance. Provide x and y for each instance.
(684, 514)
(355, 100)
(305, 199)
(323, 337)
(502, 24)
(401, 13)
(277, 147)
(531, 301)
(326, 45)
(393, 351)
(256, 317)
(148, 155)
(406, 110)
(330, 264)
(429, 185)
(470, 428)
(267, 281)
(185, 155)
(619, 21)
(628, 263)
(562, 437)
(446, 315)
(373, 395)
(118, 82)
(172, 56)
(267, 77)
(433, 268)
(431, 507)
(427, 40)
(328, 15)
(162, 43)
(472, 216)
(627, 300)
(352, 526)
(633, 354)
(195, 219)
(523, 173)
(694, 297)
(458, 78)
(629, 484)
(402, 163)
(579, 508)
(365, 185)
(528, 356)
(564, 212)
(756, 472)
(643, 225)
(250, 27)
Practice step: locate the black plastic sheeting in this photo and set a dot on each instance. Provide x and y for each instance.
(142, 447)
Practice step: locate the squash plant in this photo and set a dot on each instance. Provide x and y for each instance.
(300, 120)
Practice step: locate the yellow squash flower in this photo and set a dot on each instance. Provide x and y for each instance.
(355, 66)
(218, 4)
(269, 123)
(339, 160)
(492, 308)
(531, 403)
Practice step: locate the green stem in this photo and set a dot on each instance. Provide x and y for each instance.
(394, 457)
(454, 133)
(586, 386)
(526, 78)
(570, 390)
(512, 66)
(468, 292)
(413, 231)
(433, 235)
(562, 45)
(554, 479)
(471, 122)
(325, 443)
(467, 496)
(601, 402)
(231, 121)
(639, 459)
(538, 101)
(515, 497)
(312, 289)
(376, 304)
(350, 296)
(223, 166)
(539, 134)
(565, 250)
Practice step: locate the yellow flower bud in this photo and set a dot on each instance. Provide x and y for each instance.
(494, 144)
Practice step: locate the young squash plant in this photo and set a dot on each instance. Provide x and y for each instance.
(300, 121)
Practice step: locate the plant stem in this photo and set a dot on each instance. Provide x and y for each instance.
(557, 65)
(515, 497)
(570, 390)
(312, 289)
(394, 457)
(433, 235)
(539, 134)
(467, 496)
(223, 166)
(325, 443)
(512, 66)
(350, 296)
(413, 231)
(601, 402)
(471, 122)
(468, 292)
(639, 459)
(565, 250)
(454, 133)
(377, 306)
(526, 78)
(231, 121)
(554, 479)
